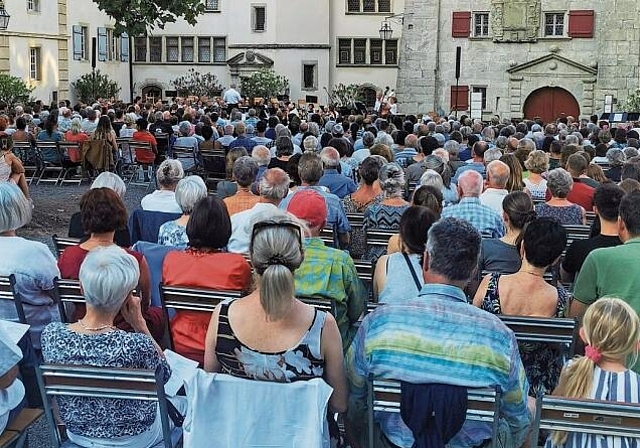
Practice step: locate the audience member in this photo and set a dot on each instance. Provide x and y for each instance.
(245, 170)
(164, 200)
(326, 272)
(188, 192)
(559, 184)
(486, 220)
(537, 164)
(337, 183)
(420, 341)
(526, 293)
(497, 177)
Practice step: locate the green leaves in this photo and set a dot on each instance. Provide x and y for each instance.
(139, 17)
(14, 90)
(633, 102)
(197, 84)
(345, 94)
(94, 85)
(265, 83)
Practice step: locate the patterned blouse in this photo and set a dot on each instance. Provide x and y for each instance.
(567, 215)
(541, 361)
(172, 234)
(302, 362)
(103, 418)
(357, 241)
(383, 217)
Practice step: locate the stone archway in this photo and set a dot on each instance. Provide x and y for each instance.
(550, 103)
(151, 93)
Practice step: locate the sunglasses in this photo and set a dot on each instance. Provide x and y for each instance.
(269, 223)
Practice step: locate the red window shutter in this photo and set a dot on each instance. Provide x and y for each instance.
(581, 23)
(461, 101)
(461, 24)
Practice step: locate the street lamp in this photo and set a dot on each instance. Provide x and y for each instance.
(4, 17)
(386, 32)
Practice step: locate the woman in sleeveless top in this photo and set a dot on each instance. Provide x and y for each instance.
(526, 293)
(537, 163)
(11, 169)
(269, 335)
(558, 207)
(406, 266)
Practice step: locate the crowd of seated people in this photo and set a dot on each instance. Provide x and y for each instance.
(484, 227)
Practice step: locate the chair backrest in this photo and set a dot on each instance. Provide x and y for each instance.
(591, 216)
(144, 225)
(593, 417)
(320, 303)
(356, 219)
(327, 236)
(101, 382)
(575, 233)
(49, 152)
(365, 270)
(379, 237)
(191, 299)
(70, 151)
(541, 329)
(141, 152)
(8, 293)
(483, 404)
(68, 292)
(214, 163)
(60, 243)
(24, 151)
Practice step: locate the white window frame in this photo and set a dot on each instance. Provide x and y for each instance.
(254, 17)
(480, 89)
(33, 5)
(215, 6)
(217, 39)
(113, 45)
(313, 87)
(35, 63)
(367, 52)
(362, 11)
(555, 24)
(484, 25)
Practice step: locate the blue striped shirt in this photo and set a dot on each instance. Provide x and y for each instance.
(608, 386)
(439, 338)
(485, 219)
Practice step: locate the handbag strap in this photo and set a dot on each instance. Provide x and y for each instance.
(413, 271)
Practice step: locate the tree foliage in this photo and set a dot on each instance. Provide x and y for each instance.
(14, 90)
(138, 17)
(345, 95)
(91, 86)
(265, 83)
(632, 104)
(197, 84)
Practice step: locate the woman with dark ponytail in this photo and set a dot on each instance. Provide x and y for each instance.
(526, 293)
(501, 255)
(270, 335)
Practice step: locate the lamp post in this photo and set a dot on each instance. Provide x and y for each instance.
(4, 17)
(386, 32)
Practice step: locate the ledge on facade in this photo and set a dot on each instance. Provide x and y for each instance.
(552, 57)
(281, 46)
(178, 63)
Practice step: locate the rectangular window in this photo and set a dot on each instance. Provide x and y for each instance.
(212, 5)
(391, 52)
(368, 6)
(187, 49)
(140, 49)
(204, 49)
(80, 39)
(481, 24)
(219, 49)
(344, 50)
(309, 76)
(375, 51)
(155, 49)
(259, 18)
(483, 91)
(172, 49)
(554, 24)
(359, 51)
(34, 64)
(33, 5)
(112, 39)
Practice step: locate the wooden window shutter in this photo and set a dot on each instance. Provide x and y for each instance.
(77, 42)
(461, 101)
(461, 24)
(581, 23)
(102, 44)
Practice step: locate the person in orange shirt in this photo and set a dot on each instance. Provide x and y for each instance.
(203, 264)
(245, 171)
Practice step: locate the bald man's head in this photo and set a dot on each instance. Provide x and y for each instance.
(470, 184)
(497, 174)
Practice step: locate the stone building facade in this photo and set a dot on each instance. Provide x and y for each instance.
(526, 57)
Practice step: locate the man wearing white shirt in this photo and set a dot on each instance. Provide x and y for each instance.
(497, 177)
(232, 98)
(274, 186)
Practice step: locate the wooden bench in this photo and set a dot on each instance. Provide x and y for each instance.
(320, 303)
(60, 243)
(15, 434)
(8, 293)
(563, 331)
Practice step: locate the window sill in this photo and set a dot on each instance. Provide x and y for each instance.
(179, 63)
(368, 65)
(555, 38)
(33, 12)
(481, 38)
(213, 11)
(309, 89)
(259, 31)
